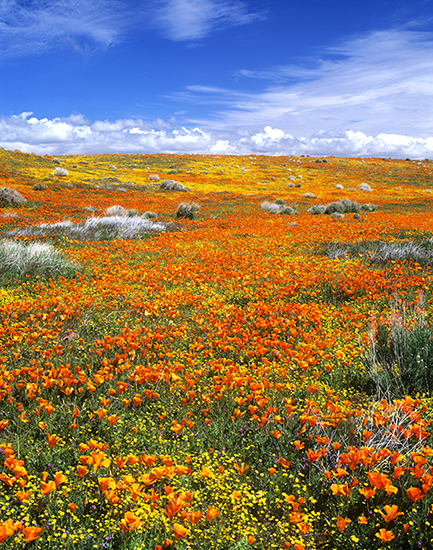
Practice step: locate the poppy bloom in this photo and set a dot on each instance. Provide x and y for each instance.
(368, 492)
(130, 521)
(390, 513)
(179, 530)
(414, 494)
(195, 517)
(242, 468)
(212, 513)
(342, 523)
(362, 520)
(52, 440)
(47, 488)
(32, 533)
(340, 490)
(6, 530)
(384, 535)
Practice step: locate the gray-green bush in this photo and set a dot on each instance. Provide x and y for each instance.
(10, 197)
(172, 185)
(39, 186)
(187, 210)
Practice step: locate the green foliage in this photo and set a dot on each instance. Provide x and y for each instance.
(399, 358)
(39, 186)
(317, 209)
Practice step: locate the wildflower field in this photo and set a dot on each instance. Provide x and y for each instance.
(250, 370)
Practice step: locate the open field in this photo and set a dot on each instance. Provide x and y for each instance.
(255, 377)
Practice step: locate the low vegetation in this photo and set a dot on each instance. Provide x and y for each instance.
(250, 380)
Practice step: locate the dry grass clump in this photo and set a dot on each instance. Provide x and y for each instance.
(187, 210)
(35, 258)
(116, 210)
(9, 196)
(97, 229)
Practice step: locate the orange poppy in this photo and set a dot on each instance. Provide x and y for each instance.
(384, 535)
(391, 512)
(212, 513)
(32, 533)
(414, 494)
(180, 531)
(342, 523)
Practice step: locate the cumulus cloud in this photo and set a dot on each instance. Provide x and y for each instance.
(77, 135)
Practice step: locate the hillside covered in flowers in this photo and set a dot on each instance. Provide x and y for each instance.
(215, 352)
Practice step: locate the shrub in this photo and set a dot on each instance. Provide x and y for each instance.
(399, 357)
(150, 215)
(172, 185)
(309, 195)
(116, 210)
(382, 252)
(337, 216)
(365, 187)
(39, 186)
(36, 258)
(132, 212)
(288, 211)
(317, 209)
(9, 196)
(272, 208)
(187, 210)
(350, 206)
(280, 202)
(59, 171)
(369, 207)
(337, 206)
(153, 177)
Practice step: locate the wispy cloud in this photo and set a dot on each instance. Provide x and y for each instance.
(186, 20)
(33, 27)
(382, 81)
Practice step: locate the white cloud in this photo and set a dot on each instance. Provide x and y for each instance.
(193, 19)
(375, 99)
(75, 135)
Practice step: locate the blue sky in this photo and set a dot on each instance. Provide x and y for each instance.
(217, 76)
